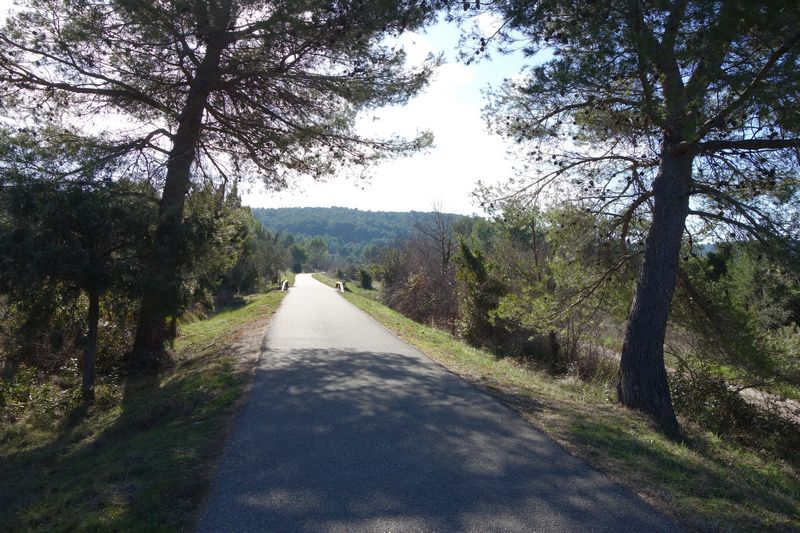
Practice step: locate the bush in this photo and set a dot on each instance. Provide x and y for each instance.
(366, 280)
(709, 401)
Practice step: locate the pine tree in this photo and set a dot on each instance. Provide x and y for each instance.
(683, 113)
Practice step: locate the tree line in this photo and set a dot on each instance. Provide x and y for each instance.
(351, 234)
(74, 263)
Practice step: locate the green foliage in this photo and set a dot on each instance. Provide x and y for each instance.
(225, 252)
(262, 260)
(700, 394)
(366, 279)
(62, 240)
(213, 234)
(318, 253)
(540, 285)
(68, 239)
(480, 298)
(299, 257)
(348, 233)
(741, 306)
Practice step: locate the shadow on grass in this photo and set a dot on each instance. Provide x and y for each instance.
(733, 496)
(231, 303)
(145, 470)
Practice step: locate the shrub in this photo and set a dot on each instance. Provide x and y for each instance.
(366, 280)
(705, 398)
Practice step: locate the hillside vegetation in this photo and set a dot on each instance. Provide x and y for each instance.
(349, 233)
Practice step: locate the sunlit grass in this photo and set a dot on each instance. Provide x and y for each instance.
(204, 331)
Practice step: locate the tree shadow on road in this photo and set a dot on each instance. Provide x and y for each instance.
(337, 439)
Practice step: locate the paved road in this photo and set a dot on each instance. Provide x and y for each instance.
(350, 429)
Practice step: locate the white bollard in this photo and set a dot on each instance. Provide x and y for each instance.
(285, 285)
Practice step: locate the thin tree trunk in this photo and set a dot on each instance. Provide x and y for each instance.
(642, 375)
(161, 295)
(90, 350)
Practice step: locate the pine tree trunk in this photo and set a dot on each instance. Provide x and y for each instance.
(161, 295)
(642, 375)
(90, 350)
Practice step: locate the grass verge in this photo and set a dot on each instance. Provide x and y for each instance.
(705, 483)
(139, 458)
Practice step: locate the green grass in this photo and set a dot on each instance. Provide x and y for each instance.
(139, 458)
(706, 483)
(204, 331)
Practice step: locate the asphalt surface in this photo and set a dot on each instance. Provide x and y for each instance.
(348, 429)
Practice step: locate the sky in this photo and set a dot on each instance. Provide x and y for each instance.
(444, 175)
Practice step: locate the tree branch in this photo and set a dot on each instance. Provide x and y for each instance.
(628, 215)
(709, 147)
(709, 124)
(123, 91)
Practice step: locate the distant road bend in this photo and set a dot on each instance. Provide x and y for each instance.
(348, 429)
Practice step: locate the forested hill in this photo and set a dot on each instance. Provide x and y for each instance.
(347, 231)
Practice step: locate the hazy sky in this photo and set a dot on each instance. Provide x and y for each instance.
(463, 151)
